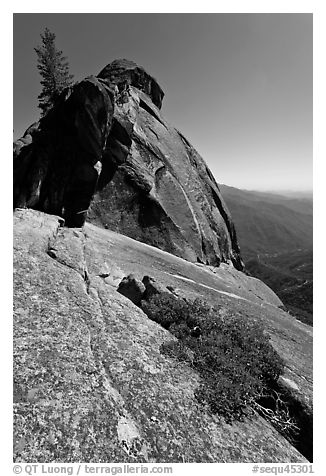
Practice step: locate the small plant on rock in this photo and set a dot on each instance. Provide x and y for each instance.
(233, 355)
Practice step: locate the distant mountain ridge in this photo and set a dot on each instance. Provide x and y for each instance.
(275, 234)
(301, 202)
(269, 223)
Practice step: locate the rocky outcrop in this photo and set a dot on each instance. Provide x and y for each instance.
(91, 383)
(124, 73)
(58, 170)
(138, 291)
(132, 288)
(106, 152)
(152, 287)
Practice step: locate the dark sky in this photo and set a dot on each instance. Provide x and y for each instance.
(238, 86)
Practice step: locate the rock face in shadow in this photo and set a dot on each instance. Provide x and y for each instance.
(57, 169)
(105, 151)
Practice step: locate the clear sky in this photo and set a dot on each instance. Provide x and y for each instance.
(238, 86)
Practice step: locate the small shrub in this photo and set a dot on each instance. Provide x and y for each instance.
(233, 355)
(177, 350)
(164, 309)
(180, 330)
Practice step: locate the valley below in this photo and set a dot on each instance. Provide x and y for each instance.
(290, 275)
(275, 236)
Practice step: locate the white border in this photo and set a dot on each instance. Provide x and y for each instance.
(60, 6)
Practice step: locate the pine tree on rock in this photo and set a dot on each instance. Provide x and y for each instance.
(54, 69)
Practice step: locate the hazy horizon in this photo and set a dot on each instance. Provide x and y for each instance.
(284, 192)
(238, 86)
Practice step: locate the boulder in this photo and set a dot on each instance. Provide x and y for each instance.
(105, 152)
(132, 288)
(153, 287)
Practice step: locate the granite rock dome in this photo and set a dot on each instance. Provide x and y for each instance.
(105, 152)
